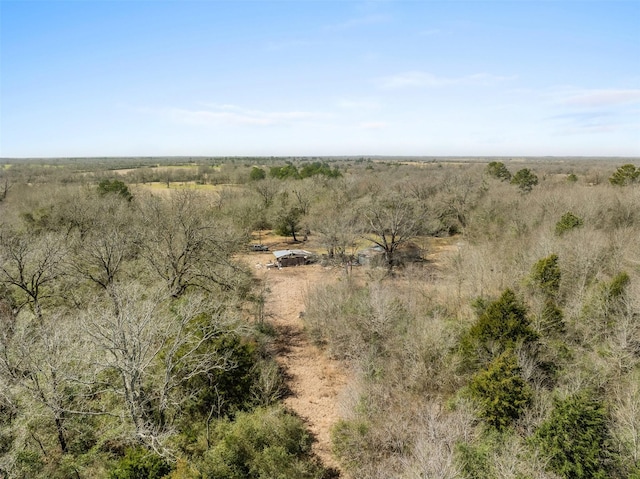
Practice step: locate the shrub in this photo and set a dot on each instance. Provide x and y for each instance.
(568, 222)
(352, 443)
(576, 440)
(606, 302)
(546, 275)
(318, 168)
(500, 391)
(617, 286)
(225, 390)
(267, 442)
(552, 319)
(475, 460)
(625, 175)
(184, 470)
(139, 463)
(499, 171)
(268, 386)
(502, 325)
(525, 179)
(288, 171)
(257, 174)
(27, 465)
(116, 187)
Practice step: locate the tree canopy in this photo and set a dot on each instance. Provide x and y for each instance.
(502, 325)
(498, 170)
(576, 438)
(625, 175)
(116, 187)
(525, 179)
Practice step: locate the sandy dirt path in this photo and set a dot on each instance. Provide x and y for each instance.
(315, 381)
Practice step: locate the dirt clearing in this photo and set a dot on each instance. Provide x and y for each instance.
(315, 381)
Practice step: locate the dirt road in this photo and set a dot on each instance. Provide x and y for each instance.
(316, 382)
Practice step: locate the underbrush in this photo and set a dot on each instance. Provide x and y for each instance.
(479, 370)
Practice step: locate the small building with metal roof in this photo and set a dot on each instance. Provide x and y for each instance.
(293, 257)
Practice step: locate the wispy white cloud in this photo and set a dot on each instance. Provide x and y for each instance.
(411, 79)
(373, 125)
(585, 118)
(359, 22)
(429, 80)
(584, 122)
(601, 98)
(593, 129)
(234, 115)
(360, 104)
(580, 122)
(593, 111)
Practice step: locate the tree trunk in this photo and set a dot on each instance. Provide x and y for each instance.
(61, 438)
(388, 256)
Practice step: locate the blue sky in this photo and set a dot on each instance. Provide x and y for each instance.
(142, 78)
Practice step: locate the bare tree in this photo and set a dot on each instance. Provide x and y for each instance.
(100, 253)
(303, 196)
(337, 225)
(267, 189)
(153, 351)
(30, 265)
(459, 193)
(433, 454)
(390, 222)
(187, 247)
(42, 363)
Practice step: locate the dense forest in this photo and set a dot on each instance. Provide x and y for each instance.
(133, 342)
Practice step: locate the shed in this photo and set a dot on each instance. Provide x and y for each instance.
(292, 257)
(371, 256)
